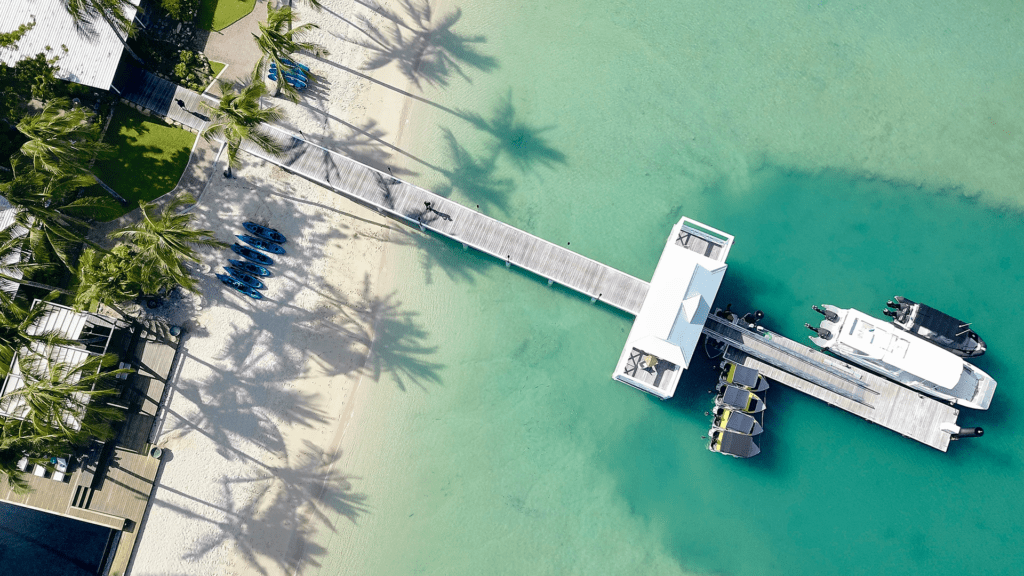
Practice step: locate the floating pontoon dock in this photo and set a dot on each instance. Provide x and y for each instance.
(831, 380)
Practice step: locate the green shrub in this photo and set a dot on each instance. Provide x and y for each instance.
(184, 10)
(193, 70)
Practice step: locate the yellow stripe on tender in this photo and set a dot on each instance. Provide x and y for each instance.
(730, 373)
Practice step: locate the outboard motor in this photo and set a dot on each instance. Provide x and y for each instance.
(821, 332)
(892, 305)
(828, 314)
(752, 319)
(890, 313)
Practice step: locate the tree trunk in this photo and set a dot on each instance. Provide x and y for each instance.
(35, 284)
(122, 40)
(110, 190)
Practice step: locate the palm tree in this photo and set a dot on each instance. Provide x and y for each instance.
(278, 41)
(55, 223)
(60, 401)
(62, 139)
(108, 279)
(17, 331)
(162, 243)
(110, 11)
(238, 117)
(12, 252)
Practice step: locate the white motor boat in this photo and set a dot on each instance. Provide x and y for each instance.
(912, 361)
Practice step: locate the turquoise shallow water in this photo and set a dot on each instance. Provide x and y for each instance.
(856, 151)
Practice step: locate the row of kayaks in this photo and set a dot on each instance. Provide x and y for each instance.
(245, 275)
(735, 425)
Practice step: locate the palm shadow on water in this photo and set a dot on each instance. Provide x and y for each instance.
(522, 144)
(440, 253)
(475, 177)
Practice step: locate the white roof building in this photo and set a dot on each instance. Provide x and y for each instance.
(92, 53)
(94, 333)
(665, 333)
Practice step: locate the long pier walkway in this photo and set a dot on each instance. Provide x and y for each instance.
(871, 397)
(405, 202)
(831, 380)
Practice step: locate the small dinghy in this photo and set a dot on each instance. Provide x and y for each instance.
(742, 377)
(252, 255)
(936, 327)
(250, 268)
(240, 286)
(248, 279)
(265, 245)
(738, 399)
(733, 444)
(733, 421)
(265, 232)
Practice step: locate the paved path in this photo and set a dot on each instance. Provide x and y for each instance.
(235, 45)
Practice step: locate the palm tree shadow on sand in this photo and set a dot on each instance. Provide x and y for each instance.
(426, 49)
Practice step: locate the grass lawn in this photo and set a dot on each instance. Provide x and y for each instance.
(149, 158)
(217, 15)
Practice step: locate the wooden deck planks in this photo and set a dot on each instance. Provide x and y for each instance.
(842, 385)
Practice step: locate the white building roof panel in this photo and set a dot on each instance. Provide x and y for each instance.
(93, 50)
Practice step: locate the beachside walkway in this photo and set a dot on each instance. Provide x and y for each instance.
(400, 200)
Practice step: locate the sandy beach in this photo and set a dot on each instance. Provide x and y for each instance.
(263, 390)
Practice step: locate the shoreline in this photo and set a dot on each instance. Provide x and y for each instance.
(263, 402)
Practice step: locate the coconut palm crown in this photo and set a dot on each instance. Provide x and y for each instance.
(162, 243)
(238, 118)
(278, 41)
(61, 139)
(46, 208)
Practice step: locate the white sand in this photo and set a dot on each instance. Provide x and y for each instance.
(258, 405)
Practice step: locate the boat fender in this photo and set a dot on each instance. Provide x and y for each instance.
(970, 433)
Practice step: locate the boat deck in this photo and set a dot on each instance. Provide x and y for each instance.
(831, 380)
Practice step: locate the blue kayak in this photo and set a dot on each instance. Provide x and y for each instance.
(248, 279)
(288, 62)
(240, 286)
(249, 268)
(252, 255)
(260, 243)
(265, 232)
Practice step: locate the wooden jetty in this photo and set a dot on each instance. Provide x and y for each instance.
(861, 393)
(831, 380)
(408, 203)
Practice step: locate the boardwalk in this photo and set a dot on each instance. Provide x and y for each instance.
(408, 203)
(871, 397)
(857, 391)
